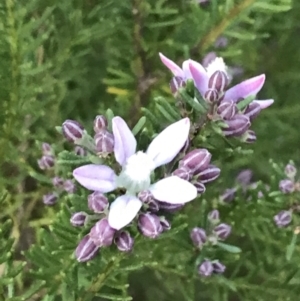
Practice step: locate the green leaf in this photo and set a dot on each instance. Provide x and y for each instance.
(244, 103)
(191, 101)
(139, 125)
(291, 247)
(229, 248)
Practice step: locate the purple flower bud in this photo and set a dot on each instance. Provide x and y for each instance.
(102, 233)
(228, 195)
(78, 219)
(145, 196)
(286, 186)
(100, 123)
(170, 207)
(221, 42)
(80, 151)
(206, 268)
(46, 149)
(69, 186)
(153, 205)
(249, 137)
(290, 171)
(50, 199)
(219, 268)
(214, 216)
(183, 173)
(86, 249)
(97, 202)
(218, 81)
(237, 126)
(57, 182)
(227, 109)
(211, 95)
(124, 241)
(72, 130)
(244, 177)
(252, 110)
(199, 186)
(198, 237)
(149, 225)
(222, 231)
(283, 218)
(176, 83)
(196, 160)
(208, 58)
(46, 162)
(166, 225)
(104, 142)
(208, 175)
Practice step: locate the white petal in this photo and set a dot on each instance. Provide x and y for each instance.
(96, 177)
(200, 76)
(123, 210)
(166, 145)
(173, 190)
(125, 143)
(264, 103)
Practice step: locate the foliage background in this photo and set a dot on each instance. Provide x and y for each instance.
(74, 59)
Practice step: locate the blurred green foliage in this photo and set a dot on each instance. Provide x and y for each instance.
(74, 59)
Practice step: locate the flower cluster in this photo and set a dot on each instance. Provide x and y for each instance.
(202, 238)
(225, 104)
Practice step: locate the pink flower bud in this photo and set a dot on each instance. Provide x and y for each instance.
(58, 182)
(252, 110)
(249, 137)
(219, 268)
(69, 186)
(46, 162)
(86, 249)
(211, 95)
(221, 42)
(145, 196)
(50, 199)
(227, 109)
(208, 175)
(149, 225)
(290, 171)
(176, 83)
(46, 149)
(100, 123)
(237, 126)
(183, 173)
(206, 269)
(166, 225)
(170, 207)
(78, 219)
(80, 151)
(124, 241)
(72, 130)
(218, 81)
(199, 186)
(244, 177)
(214, 216)
(228, 195)
(196, 160)
(198, 237)
(102, 234)
(97, 202)
(283, 218)
(286, 186)
(222, 231)
(104, 142)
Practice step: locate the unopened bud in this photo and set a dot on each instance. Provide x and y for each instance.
(211, 95)
(145, 196)
(290, 171)
(252, 110)
(58, 182)
(176, 83)
(166, 225)
(46, 149)
(221, 42)
(283, 218)
(72, 130)
(199, 186)
(209, 174)
(218, 81)
(97, 202)
(183, 172)
(100, 123)
(219, 268)
(198, 237)
(80, 151)
(170, 207)
(237, 126)
(196, 160)
(222, 231)
(102, 233)
(46, 162)
(209, 57)
(227, 109)
(124, 241)
(50, 199)
(244, 177)
(69, 186)
(214, 216)
(286, 186)
(149, 225)
(206, 268)
(249, 137)
(78, 219)
(228, 195)
(104, 142)
(86, 249)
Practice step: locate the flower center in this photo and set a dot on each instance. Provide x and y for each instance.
(135, 175)
(216, 65)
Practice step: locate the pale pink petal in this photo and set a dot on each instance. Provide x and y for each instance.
(264, 103)
(246, 88)
(173, 190)
(175, 69)
(123, 210)
(186, 69)
(166, 145)
(96, 177)
(200, 76)
(125, 143)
